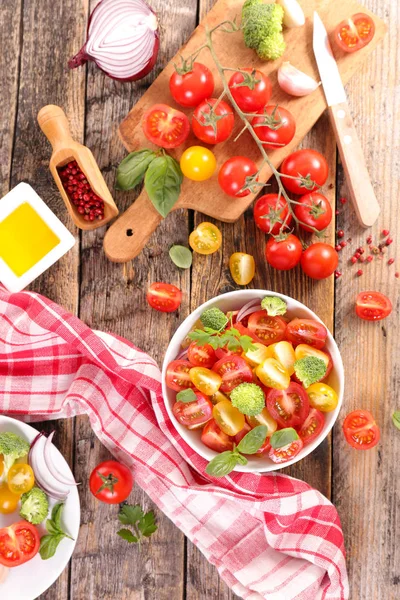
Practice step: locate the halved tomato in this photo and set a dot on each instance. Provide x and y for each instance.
(360, 430)
(281, 455)
(355, 32)
(201, 356)
(289, 407)
(312, 426)
(213, 437)
(193, 414)
(269, 330)
(165, 126)
(18, 543)
(373, 306)
(164, 297)
(233, 370)
(240, 435)
(303, 350)
(178, 375)
(306, 331)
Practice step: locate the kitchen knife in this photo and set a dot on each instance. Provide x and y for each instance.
(351, 154)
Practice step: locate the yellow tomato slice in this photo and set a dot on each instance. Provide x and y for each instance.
(206, 381)
(257, 356)
(322, 397)
(20, 478)
(284, 353)
(205, 239)
(8, 500)
(264, 418)
(303, 350)
(242, 267)
(272, 374)
(228, 417)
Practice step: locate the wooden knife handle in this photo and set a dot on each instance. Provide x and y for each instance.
(351, 154)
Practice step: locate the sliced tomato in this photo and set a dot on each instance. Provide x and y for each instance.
(243, 330)
(240, 435)
(18, 543)
(165, 126)
(213, 437)
(354, 33)
(193, 414)
(289, 407)
(265, 448)
(306, 331)
(178, 375)
(312, 426)
(281, 455)
(269, 330)
(233, 370)
(361, 430)
(201, 356)
(164, 297)
(224, 352)
(373, 306)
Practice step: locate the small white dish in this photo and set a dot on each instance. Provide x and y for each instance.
(234, 301)
(22, 194)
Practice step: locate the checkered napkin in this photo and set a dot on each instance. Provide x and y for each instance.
(270, 537)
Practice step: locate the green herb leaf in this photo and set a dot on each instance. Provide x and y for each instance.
(186, 396)
(127, 535)
(222, 464)
(396, 419)
(199, 336)
(56, 515)
(129, 515)
(253, 440)
(49, 544)
(247, 343)
(283, 437)
(52, 528)
(143, 524)
(132, 169)
(163, 181)
(242, 460)
(147, 525)
(181, 256)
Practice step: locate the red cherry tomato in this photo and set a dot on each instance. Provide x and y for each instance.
(269, 330)
(354, 33)
(288, 407)
(283, 254)
(281, 455)
(164, 297)
(265, 448)
(213, 437)
(319, 260)
(233, 370)
(312, 426)
(373, 306)
(189, 89)
(270, 212)
(111, 482)
(306, 331)
(301, 164)
(19, 543)
(251, 90)
(275, 126)
(165, 126)
(201, 356)
(246, 331)
(234, 174)
(193, 414)
(240, 435)
(315, 211)
(360, 430)
(178, 375)
(224, 352)
(208, 129)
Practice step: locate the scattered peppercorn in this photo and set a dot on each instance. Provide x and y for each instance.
(397, 275)
(338, 274)
(357, 255)
(343, 244)
(359, 272)
(343, 200)
(337, 212)
(353, 260)
(340, 233)
(389, 241)
(369, 239)
(390, 261)
(385, 232)
(370, 258)
(361, 259)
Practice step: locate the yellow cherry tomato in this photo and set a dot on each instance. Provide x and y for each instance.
(284, 353)
(272, 374)
(206, 238)
(257, 356)
(322, 397)
(206, 381)
(20, 478)
(198, 163)
(218, 397)
(1, 465)
(8, 500)
(303, 350)
(228, 417)
(242, 267)
(264, 418)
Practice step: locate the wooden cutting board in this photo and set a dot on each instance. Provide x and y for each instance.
(129, 234)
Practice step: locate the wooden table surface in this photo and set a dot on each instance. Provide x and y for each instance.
(36, 39)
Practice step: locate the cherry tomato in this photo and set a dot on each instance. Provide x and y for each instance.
(19, 543)
(307, 331)
(235, 174)
(111, 482)
(268, 329)
(20, 478)
(264, 418)
(205, 380)
(273, 375)
(178, 378)
(289, 407)
(270, 212)
(233, 370)
(224, 352)
(373, 306)
(242, 267)
(198, 163)
(265, 448)
(360, 430)
(275, 126)
(312, 426)
(164, 297)
(191, 88)
(165, 126)
(245, 331)
(213, 437)
(303, 350)
(315, 211)
(283, 254)
(240, 435)
(307, 166)
(193, 414)
(251, 89)
(322, 397)
(201, 356)
(8, 500)
(205, 239)
(218, 397)
(354, 33)
(319, 260)
(281, 455)
(228, 417)
(257, 356)
(213, 126)
(283, 352)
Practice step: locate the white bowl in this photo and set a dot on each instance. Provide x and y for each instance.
(234, 301)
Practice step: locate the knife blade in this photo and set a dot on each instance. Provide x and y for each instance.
(327, 66)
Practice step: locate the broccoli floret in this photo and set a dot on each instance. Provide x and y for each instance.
(214, 318)
(309, 370)
(34, 506)
(262, 28)
(248, 398)
(274, 306)
(12, 447)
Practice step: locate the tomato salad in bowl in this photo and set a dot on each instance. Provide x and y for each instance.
(253, 381)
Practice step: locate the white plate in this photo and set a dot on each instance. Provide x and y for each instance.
(28, 581)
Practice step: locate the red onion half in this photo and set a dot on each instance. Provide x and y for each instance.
(43, 477)
(122, 39)
(245, 310)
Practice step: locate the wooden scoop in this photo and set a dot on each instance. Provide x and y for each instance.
(54, 124)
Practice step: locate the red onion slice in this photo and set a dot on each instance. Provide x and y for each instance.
(250, 311)
(182, 354)
(43, 477)
(51, 465)
(255, 302)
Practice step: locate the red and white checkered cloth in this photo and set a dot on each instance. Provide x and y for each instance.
(270, 537)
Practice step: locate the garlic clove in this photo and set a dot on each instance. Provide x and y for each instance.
(294, 82)
(294, 15)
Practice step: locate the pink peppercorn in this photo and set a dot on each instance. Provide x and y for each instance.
(390, 261)
(353, 260)
(385, 232)
(389, 241)
(370, 258)
(343, 200)
(343, 244)
(338, 274)
(359, 272)
(340, 233)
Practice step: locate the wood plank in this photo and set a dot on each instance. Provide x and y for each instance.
(366, 487)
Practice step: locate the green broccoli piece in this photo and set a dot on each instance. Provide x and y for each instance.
(248, 398)
(274, 306)
(309, 369)
(262, 28)
(12, 447)
(214, 318)
(34, 506)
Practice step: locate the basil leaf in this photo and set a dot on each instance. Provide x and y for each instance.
(132, 169)
(283, 437)
(186, 396)
(242, 460)
(396, 419)
(163, 181)
(181, 256)
(127, 535)
(49, 545)
(253, 440)
(56, 514)
(223, 464)
(52, 527)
